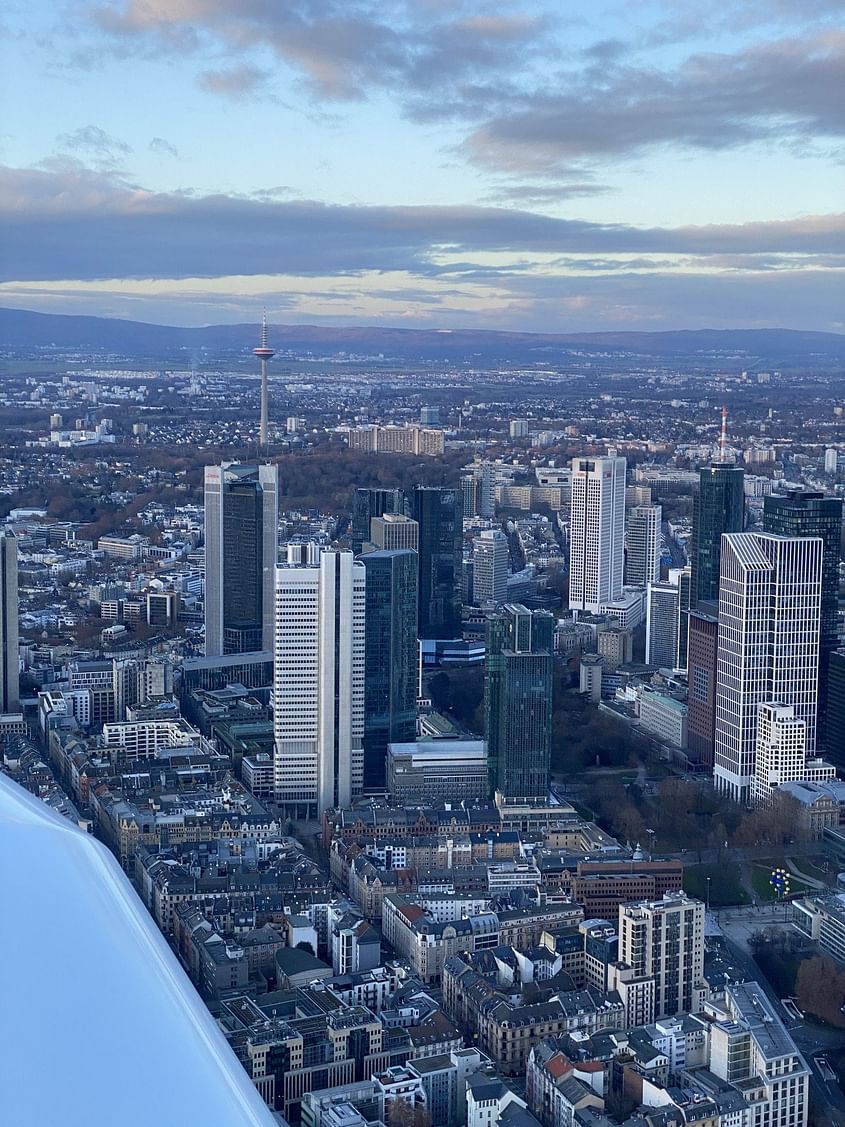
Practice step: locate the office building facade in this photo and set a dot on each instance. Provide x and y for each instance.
(768, 647)
(318, 684)
(490, 567)
(241, 538)
(369, 503)
(518, 700)
(702, 654)
(803, 513)
(392, 658)
(719, 508)
(642, 545)
(439, 512)
(596, 533)
(661, 625)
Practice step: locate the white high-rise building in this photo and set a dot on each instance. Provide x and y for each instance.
(768, 649)
(661, 625)
(781, 753)
(490, 567)
(596, 532)
(663, 940)
(318, 684)
(642, 545)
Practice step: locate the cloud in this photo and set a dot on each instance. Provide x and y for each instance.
(163, 148)
(345, 48)
(245, 81)
(791, 88)
(90, 143)
(72, 222)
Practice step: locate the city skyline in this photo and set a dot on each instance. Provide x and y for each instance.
(423, 166)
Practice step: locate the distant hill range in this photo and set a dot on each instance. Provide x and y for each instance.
(23, 331)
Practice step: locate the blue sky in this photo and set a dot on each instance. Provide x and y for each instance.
(556, 167)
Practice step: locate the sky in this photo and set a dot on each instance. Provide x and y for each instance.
(557, 167)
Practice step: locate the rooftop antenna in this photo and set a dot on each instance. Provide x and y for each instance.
(723, 435)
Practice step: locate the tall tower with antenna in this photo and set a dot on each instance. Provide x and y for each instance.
(723, 435)
(264, 353)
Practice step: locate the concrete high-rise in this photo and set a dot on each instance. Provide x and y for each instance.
(490, 567)
(9, 645)
(439, 512)
(369, 503)
(642, 545)
(661, 625)
(318, 684)
(518, 700)
(768, 646)
(781, 752)
(596, 533)
(719, 508)
(663, 940)
(392, 658)
(241, 550)
(393, 532)
(801, 513)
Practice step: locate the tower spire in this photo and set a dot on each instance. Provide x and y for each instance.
(723, 434)
(264, 353)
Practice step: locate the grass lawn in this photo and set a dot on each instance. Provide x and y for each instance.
(725, 886)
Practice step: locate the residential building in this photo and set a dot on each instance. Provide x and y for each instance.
(241, 537)
(663, 941)
(319, 684)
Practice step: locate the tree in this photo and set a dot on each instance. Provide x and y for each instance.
(304, 945)
(401, 1113)
(820, 989)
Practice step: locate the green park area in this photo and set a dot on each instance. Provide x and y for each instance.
(725, 884)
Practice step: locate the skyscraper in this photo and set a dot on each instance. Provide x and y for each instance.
(702, 653)
(241, 538)
(392, 659)
(781, 751)
(642, 545)
(719, 508)
(835, 727)
(369, 503)
(9, 659)
(768, 647)
(439, 513)
(661, 625)
(318, 684)
(490, 567)
(801, 513)
(518, 700)
(596, 532)
(684, 580)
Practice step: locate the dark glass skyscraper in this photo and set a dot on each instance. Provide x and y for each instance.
(835, 732)
(369, 503)
(391, 662)
(439, 513)
(719, 508)
(802, 513)
(9, 674)
(241, 537)
(518, 700)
